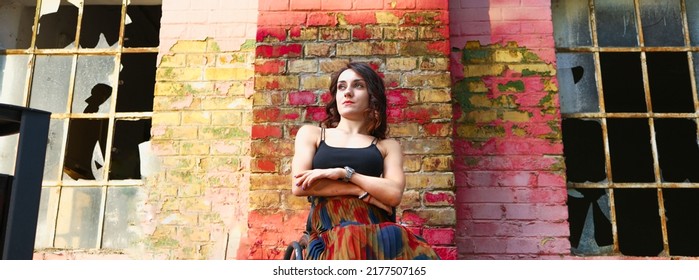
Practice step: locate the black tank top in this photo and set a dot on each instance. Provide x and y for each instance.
(367, 161)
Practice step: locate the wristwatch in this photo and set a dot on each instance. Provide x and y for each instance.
(350, 172)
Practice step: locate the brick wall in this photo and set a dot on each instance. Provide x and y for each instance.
(197, 205)
(508, 161)
(299, 44)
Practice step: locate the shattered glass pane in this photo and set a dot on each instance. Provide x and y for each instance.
(682, 214)
(51, 82)
(584, 150)
(670, 83)
(17, 21)
(577, 83)
(590, 221)
(84, 159)
(126, 161)
(93, 84)
(571, 23)
(121, 225)
(693, 21)
(78, 217)
(136, 82)
(638, 223)
(8, 153)
(58, 22)
(100, 24)
(616, 23)
(53, 149)
(142, 26)
(46, 222)
(630, 151)
(13, 78)
(677, 148)
(662, 22)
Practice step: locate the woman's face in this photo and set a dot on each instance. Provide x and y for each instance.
(352, 95)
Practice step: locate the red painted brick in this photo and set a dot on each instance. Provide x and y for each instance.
(273, 5)
(486, 211)
(271, 32)
(394, 115)
(432, 4)
(304, 4)
(485, 195)
(321, 19)
(512, 162)
(363, 33)
(359, 18)
(522, 246)
(399, 4)
(270, 67)
(291, 116)
(264, 165)
(446, 253)
(367, 5)
(261, 115)
(440, 47)
(335, 5)
(537, 27)
(302, 98)
(439, 236)
(526, 13)
(281, 18)
(263, 220)
(545, 229)
(437, 129)
(541, 195)
(326, 97)
(266, 131)
(315, 114)
(439, 198)
(399, 97)
(415, 230)
(551, 180)
(411, 218)
(267, 51)
(490, 245)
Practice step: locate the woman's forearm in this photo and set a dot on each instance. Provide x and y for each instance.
(328, 187)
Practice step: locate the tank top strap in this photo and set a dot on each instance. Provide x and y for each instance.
(376, 140)
(322, 134)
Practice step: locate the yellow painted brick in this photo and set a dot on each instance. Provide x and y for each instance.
(189, 191)
(166, 118)
(434, 95)
(427, 146)
(401, 64)
(404, 129)
(173, 163)
(514, 116)
(170, 204)
(264, 181)
(178, 74)
(172, 103)
(224, 132)
(480, 100)
(410, 200)
(480, 131)
(483, 70)
(412, 163)
(216, 162)
(169, 89)
(334, 34)
(186, 46)
(478, 86)
(318, 49)
(173, 60)
(307, 34)
(226, 118)
(549, 85)
(315, 82)
(442, 180)
(181, 132)
(228, 74)
(264, 200)
(165, 230)
(221, 103)
(481, 116)
(437, 163)
(234, 59)
(194, 204)
(303, 65)
(200, 60)
(387, 18)
(196, 117)
(165, 147)
(268, 99)
(541, 68)
(277, 82)
(354, 48)
(332, 65)
(195, 234)
(293, 202)
(438, 216)
(434, 63)
(507, 55)
(194, 147)
(400, 33)
(429, 80)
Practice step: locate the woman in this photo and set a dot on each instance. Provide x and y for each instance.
(354, 175)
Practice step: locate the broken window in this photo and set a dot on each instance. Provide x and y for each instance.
(91, 63)
(630, 116)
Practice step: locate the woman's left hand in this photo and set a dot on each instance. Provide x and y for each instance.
(305, 179)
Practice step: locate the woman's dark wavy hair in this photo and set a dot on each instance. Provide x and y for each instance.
(377, 99)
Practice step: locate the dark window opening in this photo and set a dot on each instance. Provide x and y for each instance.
(622, 82)
(678, 150)
(590, 222)
(669, 82)
(630, 150)
(100, 26)
(57, 28)
(638, 222)
(584, 150)
(144, 29)
(136, 82)
(84, 157)
(126, 160)
(682, 214)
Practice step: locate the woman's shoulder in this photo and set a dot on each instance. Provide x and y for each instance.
(308, 131)
(389, 145)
